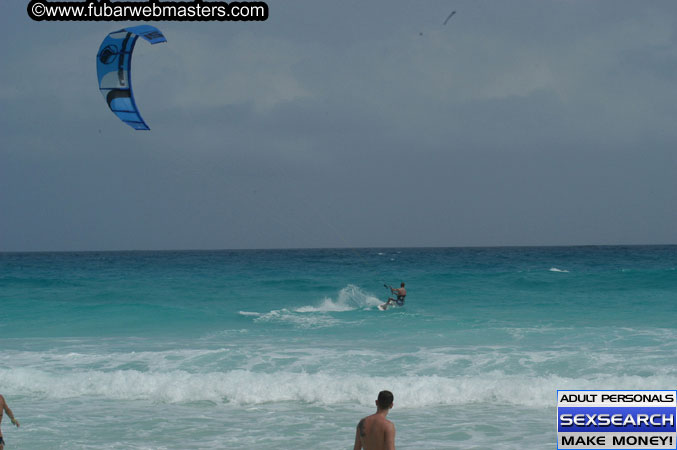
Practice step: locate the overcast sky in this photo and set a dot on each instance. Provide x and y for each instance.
(348, 124)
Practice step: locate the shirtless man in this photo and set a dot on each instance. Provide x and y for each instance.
(5, 408)
(375, 432)
(401, 293)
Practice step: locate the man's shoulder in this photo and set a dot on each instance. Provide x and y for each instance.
(365, 419)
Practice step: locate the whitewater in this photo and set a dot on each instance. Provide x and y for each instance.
(282, 349)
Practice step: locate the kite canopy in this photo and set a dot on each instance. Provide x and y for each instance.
(113, 68)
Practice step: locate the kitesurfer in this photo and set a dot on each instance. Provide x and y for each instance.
(400, 294)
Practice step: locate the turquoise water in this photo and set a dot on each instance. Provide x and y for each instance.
(286, 349)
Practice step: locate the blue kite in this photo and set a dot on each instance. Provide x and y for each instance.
(113, 68)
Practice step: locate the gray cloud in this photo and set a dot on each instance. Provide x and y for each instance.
(348, 124)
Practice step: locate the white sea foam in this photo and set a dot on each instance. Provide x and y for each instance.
(108, 361)
(243, 387)
(349, 298)
(555, 269)
(298, 320)
(327, 305)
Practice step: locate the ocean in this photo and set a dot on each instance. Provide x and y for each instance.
(286, 349)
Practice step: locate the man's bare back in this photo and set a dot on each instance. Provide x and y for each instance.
(375, 432)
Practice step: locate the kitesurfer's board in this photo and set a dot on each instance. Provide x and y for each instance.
(382, 307)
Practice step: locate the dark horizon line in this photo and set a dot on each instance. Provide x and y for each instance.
(424, 247)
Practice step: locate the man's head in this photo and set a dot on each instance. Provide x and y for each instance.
(402, 284)
(385, 400)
